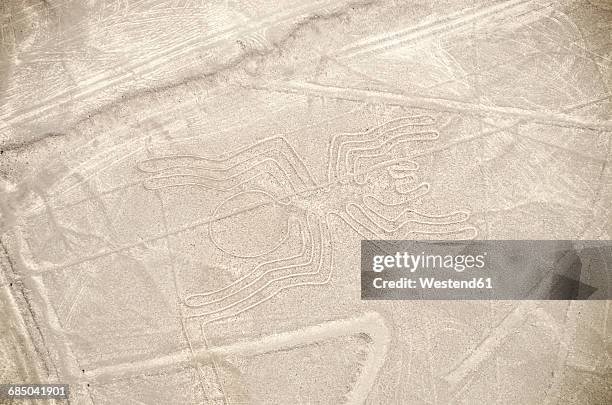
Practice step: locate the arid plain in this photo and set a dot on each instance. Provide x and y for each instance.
(184, 185)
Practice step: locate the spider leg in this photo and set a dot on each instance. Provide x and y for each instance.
(334, 167)
(342, 144)
(261, 271)
(274, 157)
(264, 288)
(202, 178)
(394, 216)
(400, 217)
(387, 150)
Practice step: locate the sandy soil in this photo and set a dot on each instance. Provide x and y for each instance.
(184, 186)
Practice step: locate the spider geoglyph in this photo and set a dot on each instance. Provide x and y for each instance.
(274, 198)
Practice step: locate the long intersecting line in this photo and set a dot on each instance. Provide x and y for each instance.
(304, 192)
(429, 103)
(438, 27)
(181, 316)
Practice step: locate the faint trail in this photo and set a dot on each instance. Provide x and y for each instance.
(565, 334)
(443, 104)
(490, 344)
(66, 361)
(33, 210)
(18, 328)
(102, 81)
(181, 316)
(334, 183)
(370, 323)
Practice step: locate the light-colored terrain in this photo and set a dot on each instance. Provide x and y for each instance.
(185, 184)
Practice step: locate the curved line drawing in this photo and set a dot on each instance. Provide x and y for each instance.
(216, 213)
(371, 140)
(242, 278)
(325, 239)
(254, 271)
(263, 148)
(352, 159)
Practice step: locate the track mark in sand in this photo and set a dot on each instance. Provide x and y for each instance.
(371, 324)
(173, 268)
(511, 324)
(102, 81)
(487, 347)
(430, 103)
(461, 375)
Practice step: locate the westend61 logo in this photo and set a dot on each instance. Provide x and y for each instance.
(412, 262)
(485, 269)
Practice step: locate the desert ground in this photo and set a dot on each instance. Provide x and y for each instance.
(184, 185)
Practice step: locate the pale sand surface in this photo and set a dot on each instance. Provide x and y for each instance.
(185, 184)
